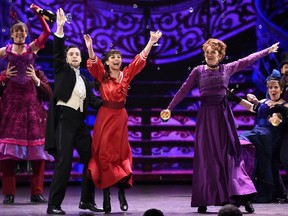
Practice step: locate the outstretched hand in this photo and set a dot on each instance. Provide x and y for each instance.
(274, 48)
(154, 36)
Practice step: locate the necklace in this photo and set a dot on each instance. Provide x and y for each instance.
(19, 44)
(278, 99)
(213, 67)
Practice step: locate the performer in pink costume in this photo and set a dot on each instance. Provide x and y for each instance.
(22, 115)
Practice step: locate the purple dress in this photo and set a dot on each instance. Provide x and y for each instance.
(219, 174)
(22, 115)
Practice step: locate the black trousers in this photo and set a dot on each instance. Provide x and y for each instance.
(71, 132)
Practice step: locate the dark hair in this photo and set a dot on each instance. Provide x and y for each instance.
(273, 79)
(105, 57)
(70, 47)
(229, 210)
(153, 212)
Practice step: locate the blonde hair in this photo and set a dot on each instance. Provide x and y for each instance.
(215, 44)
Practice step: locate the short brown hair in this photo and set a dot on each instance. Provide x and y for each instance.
(215, 44)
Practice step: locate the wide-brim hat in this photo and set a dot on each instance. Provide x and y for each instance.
(284, 59)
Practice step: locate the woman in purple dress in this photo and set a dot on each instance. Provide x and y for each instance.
(22, 115)
(219, 175)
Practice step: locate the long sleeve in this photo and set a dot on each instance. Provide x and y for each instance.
(64, 76)
(44, 90)
(41, 40)
(95, 68)
(137, 64)
(242, 63)
(184, 89)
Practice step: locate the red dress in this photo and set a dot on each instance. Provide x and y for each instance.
(111, 161)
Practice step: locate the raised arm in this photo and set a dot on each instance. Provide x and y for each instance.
(154, 37)
(61, 20)
(38, 43)
(89, 45)
(59, 58)
(242, 63)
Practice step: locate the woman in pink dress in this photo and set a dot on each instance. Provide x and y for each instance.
(22, 115)
(111, 163)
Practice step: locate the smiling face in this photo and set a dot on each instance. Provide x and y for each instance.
(212, 56)
(274, 89)
(114, 61)
(18, 33)
(73, 57)
(214, 51)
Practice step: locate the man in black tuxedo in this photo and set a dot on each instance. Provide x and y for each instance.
(66, 128)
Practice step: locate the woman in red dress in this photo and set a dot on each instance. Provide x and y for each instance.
(111, 163)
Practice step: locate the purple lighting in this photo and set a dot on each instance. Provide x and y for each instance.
(126, 26)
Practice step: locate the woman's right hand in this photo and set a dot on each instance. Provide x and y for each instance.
(165, 115)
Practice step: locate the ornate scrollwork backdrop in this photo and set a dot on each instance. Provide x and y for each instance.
(185, 24)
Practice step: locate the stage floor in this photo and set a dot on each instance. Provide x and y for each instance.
(171, 199)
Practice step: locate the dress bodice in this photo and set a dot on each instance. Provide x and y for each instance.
(21, 62)
(213, 82)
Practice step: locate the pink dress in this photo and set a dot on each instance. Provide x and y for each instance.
(22, 115)
(111, 161)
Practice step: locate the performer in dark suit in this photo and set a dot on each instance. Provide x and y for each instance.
(66, 128)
